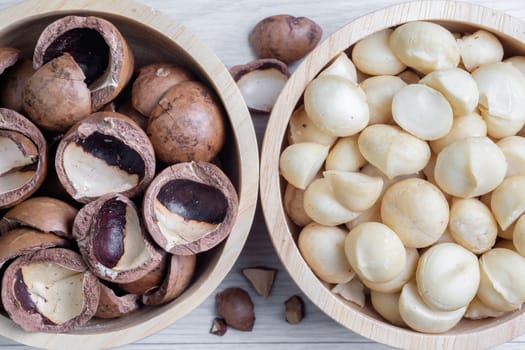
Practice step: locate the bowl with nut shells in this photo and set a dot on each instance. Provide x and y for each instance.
(392, 177)
(128, 175)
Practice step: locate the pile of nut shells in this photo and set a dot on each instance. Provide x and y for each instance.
(110, 178)
(405, 173)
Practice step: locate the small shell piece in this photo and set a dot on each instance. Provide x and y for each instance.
(323, 248)
(379, 92)
(345, 155)
(375, 252)
(300, 162)
(356, 191)
(423, 318)
(336, 105)
(513, 148)
(422, 111)
(504, 112)
(470, 167)
(392, 150)
(302, 129)
(387, 305)
(425, 46)
(294, 205)
(478, 48)
(468, 125)
(341, 66)
(405, 209)
(447, 276)
(507, 202)
(472, 225)
(502, 286)
(373, 55)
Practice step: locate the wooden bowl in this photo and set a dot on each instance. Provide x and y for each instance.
(455, 16)
(152, 37)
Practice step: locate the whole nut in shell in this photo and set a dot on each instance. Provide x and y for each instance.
(12, 84)
(236, 307)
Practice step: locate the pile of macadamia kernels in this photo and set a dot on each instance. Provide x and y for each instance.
(405, 171)
(110, 178)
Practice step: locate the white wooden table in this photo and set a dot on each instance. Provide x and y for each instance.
(224, 25)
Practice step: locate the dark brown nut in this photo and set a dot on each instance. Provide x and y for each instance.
(22, 241)
(236, 307)
(285, 37)
(261, 279)
(178, 278)
(151, 281)
(12, 84)
(23, 164)
(112, 240)
(98, 48)
(261, 82)
(104, 153)
(50, 291)
(8, 57)
(187, 124)
(152, 82)
(55, 97)
(190, 207)
(112, 305)
(44, 214)
(218, 327)
(294, 309)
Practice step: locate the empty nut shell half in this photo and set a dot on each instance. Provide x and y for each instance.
(190, 207)
(112, 305)
(151, 281)
(112, 240)
(97, 46)
(111, 146)
(23, 165)
(50, 291)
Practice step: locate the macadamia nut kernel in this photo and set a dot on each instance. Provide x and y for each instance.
(345, 155)
(508, 200)
(300, 162)
(379, 92)
(341, 66)
(302, 129)
(294, 207)
(373, 55)
(513, 147)
(479, 48)
(468, 125)
(477, 310)
(355, 191)
(387, 305)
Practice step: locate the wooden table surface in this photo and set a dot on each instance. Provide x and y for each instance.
(224, 25)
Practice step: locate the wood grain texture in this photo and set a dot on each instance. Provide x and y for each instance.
(223, 25)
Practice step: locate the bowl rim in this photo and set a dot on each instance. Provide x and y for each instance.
(270, 183)
(248, 173)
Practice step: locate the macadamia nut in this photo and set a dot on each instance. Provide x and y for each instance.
(518, 236)
(294, 207)
(405, 209)
(345, 155)
(373, 55)
(302, 129)
(477, 310)
(386, 304)
(355, 191)
(341, 66)
(479, 48)
(518, 62)
(508, 202)
(513, 147)
(300, 162)
(468, 125)
(379, 92)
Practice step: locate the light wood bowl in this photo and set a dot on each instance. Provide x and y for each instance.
(456, 16)
(154, 37)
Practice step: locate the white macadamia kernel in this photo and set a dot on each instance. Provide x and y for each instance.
(422, 111)
(379, 91)
(458, 87)
(425, 46)
(518, 236)
(472, 225)
(478, 48)
(294, 205)
(375, 252)
(468, 125)
(371, 214)
(476, 310)
(323, 249)
(518, 62)
(447, 276)
(321, 205)
(373, 55)
(353, 291)
(300, 162)
(302, 129)
(345, 155)
(513, 147)
(416, 211)
(392, 150)
(423, 318)
(502, 286)
(508, 201)
(470, 167)
(356, 191)
(501, 98)
(341, 66)
(387, 305)
(337, 106)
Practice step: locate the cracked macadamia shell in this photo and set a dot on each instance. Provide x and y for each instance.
(112, 305)
(190, 207)
(111, 146)
(23, 165)
(58, 302)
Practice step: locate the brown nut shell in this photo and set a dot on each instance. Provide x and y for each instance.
(31, 143)
(111, 146)
(151, 281)
(21, 306)
(127, 109)
(12, 84)
(112, 240)
(236, 306)
(178, 278)
(112, 305)
(284, 37)
(187, 124)
(152, 82)
(8, 57)
(190, 207)
(44, 214)
(76, 34)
